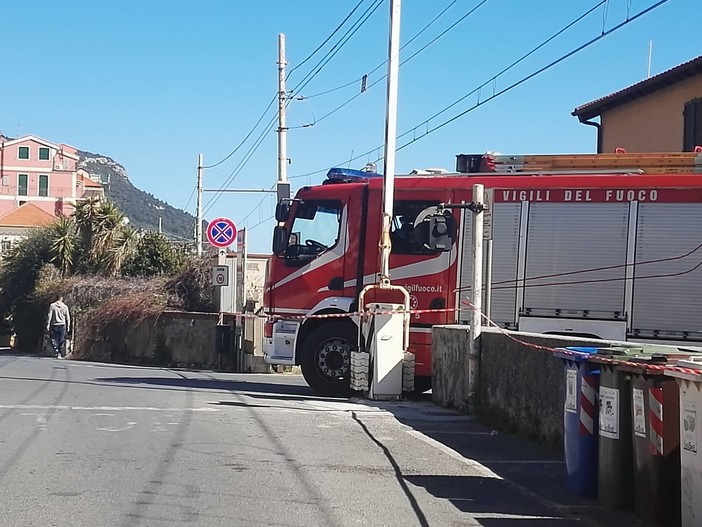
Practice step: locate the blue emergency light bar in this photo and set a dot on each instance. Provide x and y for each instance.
(350, 174)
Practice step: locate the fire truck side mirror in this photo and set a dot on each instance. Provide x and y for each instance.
(436, 229)
(280, 240)
(282, 211)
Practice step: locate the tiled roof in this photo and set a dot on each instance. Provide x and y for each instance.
(640, 89)
(27, 215)
(88, 183)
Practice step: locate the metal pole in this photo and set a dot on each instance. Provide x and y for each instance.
(198, 214)
(650, 52)
(476, 291)
(283, 187)
(390, 141)
(160, 224)
(488, 278)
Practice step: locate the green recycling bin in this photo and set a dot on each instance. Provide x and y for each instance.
(615, 481)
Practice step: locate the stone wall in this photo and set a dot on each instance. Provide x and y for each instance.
(520, 389)
(172, 339)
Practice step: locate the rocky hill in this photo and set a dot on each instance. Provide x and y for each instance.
(142, 209)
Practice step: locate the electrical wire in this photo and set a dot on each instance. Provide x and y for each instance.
(337, 47)
(602, 280)
(257, 206)
(336, 30)
(243, 141)
(190, 199)
(530, 76)
(260, 223)
(509, 284)
(320, 65)
(496, 94)
(354, 97)
(240, 167)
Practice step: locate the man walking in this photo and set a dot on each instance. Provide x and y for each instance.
(58, 325)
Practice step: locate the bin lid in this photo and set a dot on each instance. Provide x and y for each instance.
(621, 350)
(689, 368)
(575, 353)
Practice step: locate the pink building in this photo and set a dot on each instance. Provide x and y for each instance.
(45, 174)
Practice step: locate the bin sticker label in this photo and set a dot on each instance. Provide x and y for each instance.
(571, 404)
(639, 413)
(609, 412)
(690, 427)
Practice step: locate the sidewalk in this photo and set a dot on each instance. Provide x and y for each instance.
(532, 475)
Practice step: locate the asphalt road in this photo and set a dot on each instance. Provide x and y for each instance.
(88, 444)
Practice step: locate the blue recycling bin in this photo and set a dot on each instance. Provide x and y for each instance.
(580, 413)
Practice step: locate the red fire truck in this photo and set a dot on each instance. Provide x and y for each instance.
(606, 246)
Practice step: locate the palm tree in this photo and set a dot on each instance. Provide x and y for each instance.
(85, 214)
(124, 243)
(64, 243)
(106, 228)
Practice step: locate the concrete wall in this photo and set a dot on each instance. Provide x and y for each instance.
(173, 339)
(520, 389)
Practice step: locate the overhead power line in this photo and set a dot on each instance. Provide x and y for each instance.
(492, 80)
(338, 46)
(336, 30)
(403, 62)
(532, 75)
(371, 72)
(308, 78)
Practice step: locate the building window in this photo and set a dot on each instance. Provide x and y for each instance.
(22, 183)
(43, 185)
(23, 152)
(692, 127)
(43, 154)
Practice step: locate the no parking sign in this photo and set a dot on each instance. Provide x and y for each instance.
(221, 232)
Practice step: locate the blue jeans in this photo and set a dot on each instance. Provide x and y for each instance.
(58, 339)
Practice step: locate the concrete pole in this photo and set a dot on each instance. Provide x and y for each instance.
(390, 141)
(476, 291)
(160, 225)
(198, 214)
(283, 187)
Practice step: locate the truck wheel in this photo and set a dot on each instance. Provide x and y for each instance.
(326, 358)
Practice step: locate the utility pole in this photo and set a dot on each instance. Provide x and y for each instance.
(160, 225)
(198, 214)
(283, 186)
(390, 141)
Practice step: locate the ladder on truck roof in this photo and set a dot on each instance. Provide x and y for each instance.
(656, 163)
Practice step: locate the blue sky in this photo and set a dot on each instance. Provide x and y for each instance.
(153, 83)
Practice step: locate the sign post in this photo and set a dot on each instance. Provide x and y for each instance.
(240, 298)
(221, 233)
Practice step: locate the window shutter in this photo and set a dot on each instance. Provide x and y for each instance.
(692, 127)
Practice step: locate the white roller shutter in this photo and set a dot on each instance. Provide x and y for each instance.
(568, 245)
(505, 248)
(668, 294)
(504, 263)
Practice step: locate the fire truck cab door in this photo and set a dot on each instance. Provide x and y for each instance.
(321, 259)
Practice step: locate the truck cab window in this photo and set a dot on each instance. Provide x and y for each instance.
(315, 228)
(402, 232)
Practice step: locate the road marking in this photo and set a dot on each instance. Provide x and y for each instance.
(102, 408)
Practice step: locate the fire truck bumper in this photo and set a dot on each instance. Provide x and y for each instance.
(280, 348)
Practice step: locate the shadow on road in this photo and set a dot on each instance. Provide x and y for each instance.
(262, 390)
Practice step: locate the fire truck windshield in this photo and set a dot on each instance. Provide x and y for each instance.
(315, 227)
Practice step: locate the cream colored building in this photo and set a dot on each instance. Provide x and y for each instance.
(659, 114)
